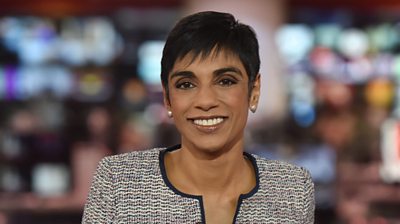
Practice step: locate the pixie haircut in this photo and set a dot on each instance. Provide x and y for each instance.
(202, 33)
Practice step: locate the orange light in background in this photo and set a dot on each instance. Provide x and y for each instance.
(379, 93)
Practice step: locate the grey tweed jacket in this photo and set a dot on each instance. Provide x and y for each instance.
(134, 188)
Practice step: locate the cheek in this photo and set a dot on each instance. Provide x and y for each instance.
(237, 99)
(179, 102)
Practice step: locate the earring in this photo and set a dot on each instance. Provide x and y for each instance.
(253, 108)
(169, 113)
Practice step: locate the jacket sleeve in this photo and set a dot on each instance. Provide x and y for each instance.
(308, 199)
(99, 207)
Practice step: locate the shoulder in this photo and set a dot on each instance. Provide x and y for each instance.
(279, 168)
(282, 173)
(132, 160)
(135, 155)
(286, 186)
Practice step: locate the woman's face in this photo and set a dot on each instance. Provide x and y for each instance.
(209, 101)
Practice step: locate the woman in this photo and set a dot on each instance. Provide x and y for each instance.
(210, 78)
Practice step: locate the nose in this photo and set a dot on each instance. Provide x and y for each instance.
(206, 98)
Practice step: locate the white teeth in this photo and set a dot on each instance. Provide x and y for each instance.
(208, 122)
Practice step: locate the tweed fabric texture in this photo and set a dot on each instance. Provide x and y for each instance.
(132, 188)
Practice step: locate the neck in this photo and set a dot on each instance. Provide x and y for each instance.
(213, 173)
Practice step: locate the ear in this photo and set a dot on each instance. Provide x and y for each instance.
(255, 92)
(167, 103)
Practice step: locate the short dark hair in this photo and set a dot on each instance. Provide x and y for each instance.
(201, 33)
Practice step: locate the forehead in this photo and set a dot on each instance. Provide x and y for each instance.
(215, 58)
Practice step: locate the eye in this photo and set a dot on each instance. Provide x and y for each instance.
(226, 82)
(184, 85)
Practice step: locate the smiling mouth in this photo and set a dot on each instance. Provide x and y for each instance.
(208, 122)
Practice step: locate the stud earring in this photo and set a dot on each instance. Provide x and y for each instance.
(253, 108)
(169, 113)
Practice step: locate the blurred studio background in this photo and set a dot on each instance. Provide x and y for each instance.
(79, 80)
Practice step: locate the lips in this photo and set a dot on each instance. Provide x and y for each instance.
(208, 122)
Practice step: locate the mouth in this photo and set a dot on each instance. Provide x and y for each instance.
(208, 122)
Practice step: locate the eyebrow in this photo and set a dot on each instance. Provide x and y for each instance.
(221, 71)
(217, 72)
(188, 74)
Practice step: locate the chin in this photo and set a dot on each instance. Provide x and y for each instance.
(213, 145)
